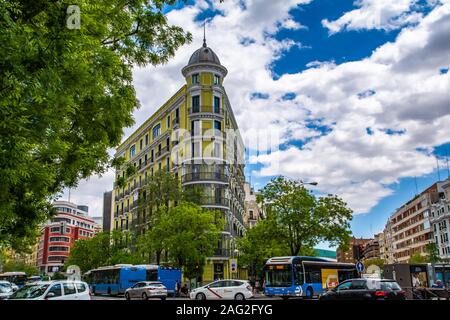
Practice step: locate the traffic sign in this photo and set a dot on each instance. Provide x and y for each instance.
(233, 265)
(359, 267)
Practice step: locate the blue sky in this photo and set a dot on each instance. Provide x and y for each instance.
(357, 90)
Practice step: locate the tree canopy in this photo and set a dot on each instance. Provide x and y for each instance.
(102, 250)
(66, 94)
(296, 222)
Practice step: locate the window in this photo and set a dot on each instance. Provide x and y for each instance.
(195, 79)
(56, 248)
(156, 131)
(168, 121)
(216, 105)
(195, 128)
(69, 288)
(196, 149)
(56, 290)
(146, 139)
(59, 239)
(80, 287)
(168, 164)
(216, 79)
(344, 286)
(132, 151)
(195, 104)
(141, 144)
(55, 229)
(217, 125)
(217, 150)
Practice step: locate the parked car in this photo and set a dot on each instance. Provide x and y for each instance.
(53, 290)
(7, 289)
(365, 289)
(223, 289)
(145, 290)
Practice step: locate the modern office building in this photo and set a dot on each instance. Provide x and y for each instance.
(195, 136)
(70, 224)
(107, 210)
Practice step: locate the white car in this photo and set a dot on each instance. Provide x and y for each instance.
(53, 290)
(145, 290)
(223, 289)
(7, 289)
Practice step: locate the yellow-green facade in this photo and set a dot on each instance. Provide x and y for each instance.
(195, 136)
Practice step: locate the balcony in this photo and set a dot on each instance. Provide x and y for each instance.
(162, 152)
(219, 252)
(216, 202)
(205, 109)
(204, 176)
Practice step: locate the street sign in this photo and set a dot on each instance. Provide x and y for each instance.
(233, 265)
(359, 267)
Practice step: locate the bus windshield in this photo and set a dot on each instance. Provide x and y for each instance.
(278, 275)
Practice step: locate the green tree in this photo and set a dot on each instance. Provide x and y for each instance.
(188, 233)
(432, 253)
(299, 220)
(162, 191)
(417, 258)
(374, 261)
(102, 250)
(66, 94)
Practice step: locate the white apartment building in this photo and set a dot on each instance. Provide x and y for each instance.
(440, 220)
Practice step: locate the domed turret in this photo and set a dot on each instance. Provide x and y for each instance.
(204, 57)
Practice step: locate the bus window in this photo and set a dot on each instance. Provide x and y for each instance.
(152, 275)
(313, 274)
(278, 276)
(298, 275)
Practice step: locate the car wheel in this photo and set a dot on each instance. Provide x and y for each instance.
(127, 296)
(309, 293)
(163, 298)
(144, 296)
(200, 296)
(239, 296)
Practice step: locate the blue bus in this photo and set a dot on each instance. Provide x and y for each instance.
(18, 278)
(304, 276)
(114, 280)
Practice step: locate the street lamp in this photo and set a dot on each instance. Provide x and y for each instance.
(314, 183)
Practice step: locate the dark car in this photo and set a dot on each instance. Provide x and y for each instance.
(365, 289)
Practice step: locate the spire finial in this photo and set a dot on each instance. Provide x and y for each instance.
(204, 33)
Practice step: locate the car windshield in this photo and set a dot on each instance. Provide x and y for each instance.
(4, 288)
(30, 291)
(391, 285)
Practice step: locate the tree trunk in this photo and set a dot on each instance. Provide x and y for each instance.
(158, 257)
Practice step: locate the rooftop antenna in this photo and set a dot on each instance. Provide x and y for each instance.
(438, 173)
(415, 182)
(448, 168)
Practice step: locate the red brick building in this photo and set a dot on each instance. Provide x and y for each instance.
(60, 233)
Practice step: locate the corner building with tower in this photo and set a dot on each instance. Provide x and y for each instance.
(195, 136)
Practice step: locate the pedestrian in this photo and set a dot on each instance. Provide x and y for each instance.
(438, 284)
(257, 284)
(177, 288)
(252, 284)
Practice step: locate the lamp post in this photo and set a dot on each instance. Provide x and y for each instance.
(303, 183)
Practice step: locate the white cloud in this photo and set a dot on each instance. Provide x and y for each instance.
(398, 88)
(376, 14)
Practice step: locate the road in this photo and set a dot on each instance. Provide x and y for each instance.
(258, 297)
